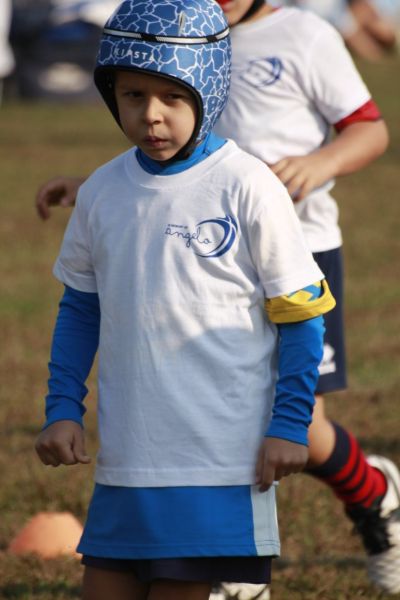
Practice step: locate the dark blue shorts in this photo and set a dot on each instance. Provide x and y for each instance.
(235, 569)
(332, 370)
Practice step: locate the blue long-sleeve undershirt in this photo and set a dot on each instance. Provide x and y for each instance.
(300, 353)
(76, 339)
(75, 343)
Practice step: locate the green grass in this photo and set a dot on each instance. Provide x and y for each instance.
(321, 558)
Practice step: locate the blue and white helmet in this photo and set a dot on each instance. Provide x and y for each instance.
(187, 40)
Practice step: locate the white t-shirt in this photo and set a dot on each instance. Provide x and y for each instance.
(187, 357)
(292, 78)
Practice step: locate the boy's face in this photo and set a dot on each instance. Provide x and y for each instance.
(235, 9)
(156, 114)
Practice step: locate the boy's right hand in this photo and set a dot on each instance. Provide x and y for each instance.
(60, 191)
(62, 443)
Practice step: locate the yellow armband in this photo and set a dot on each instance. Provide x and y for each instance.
(301, 305)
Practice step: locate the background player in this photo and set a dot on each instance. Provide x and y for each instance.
(292, 80)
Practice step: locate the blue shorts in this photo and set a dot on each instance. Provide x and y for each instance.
(332, 370)
(234, 569)
(143, 528)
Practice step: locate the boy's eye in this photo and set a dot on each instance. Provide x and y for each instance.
(175, 96)
(132, 94)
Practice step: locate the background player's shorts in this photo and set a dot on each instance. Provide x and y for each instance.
(332, 370)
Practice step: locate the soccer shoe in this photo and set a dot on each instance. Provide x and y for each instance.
(241, 591)
(379, 528)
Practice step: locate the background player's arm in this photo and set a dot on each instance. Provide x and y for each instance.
(355, 146)
(58, 191)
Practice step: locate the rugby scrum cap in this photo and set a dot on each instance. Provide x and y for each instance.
(185, 40)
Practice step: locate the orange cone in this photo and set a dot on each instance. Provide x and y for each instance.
(48, 535)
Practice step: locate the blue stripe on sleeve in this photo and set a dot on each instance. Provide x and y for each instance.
(300, 352)
(315, 290)
(75, 343)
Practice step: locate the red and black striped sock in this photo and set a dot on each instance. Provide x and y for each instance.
(348, 473)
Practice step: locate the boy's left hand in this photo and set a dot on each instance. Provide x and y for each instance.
(278, 458)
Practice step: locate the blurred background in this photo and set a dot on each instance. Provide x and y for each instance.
(47, 47)
(52, 123)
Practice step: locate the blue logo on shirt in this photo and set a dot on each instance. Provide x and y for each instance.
(262, 72)
(218, 234)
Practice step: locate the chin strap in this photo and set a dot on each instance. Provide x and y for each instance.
(257, 4)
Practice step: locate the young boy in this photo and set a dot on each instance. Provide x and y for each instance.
(168, 258)
(283, 101)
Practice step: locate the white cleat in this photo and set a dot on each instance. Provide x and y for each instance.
(241, 591)
(379, 528)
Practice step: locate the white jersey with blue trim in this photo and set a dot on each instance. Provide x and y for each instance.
(292, 78)
(187, 356)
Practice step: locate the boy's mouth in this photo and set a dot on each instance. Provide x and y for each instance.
(154, 141)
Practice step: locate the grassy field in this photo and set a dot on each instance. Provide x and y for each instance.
(321, 558)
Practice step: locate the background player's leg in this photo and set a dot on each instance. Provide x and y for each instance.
(369, 488)
(337, 459)
(321, 435)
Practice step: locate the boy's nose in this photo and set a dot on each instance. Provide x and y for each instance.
(152, 110)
